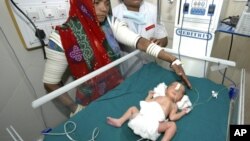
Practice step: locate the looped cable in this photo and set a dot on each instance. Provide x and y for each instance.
(65, 131)
(95, 133)
(142, 139)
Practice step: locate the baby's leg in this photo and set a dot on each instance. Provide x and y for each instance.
(169, 128)
(117, 122)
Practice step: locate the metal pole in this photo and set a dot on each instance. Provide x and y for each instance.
(158, 11)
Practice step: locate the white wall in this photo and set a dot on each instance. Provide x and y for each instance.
(17, 92)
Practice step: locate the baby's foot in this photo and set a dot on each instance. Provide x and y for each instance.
(114, 122)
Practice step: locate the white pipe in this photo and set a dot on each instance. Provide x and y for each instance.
(40, 101)
(158, 11)
(12, 136)
(243, 96)
(241, 108)
(210, 59)
(13, 129)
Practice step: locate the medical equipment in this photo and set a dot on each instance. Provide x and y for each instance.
(243, 26)
(195, 24)
(231, 20)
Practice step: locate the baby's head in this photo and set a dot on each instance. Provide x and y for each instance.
(175, 91)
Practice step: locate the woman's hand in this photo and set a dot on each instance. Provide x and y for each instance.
(177, 67)
(163, 42)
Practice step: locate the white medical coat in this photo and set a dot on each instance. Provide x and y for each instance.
(147, 30)
(149, 12)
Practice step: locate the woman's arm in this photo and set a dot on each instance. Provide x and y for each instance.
(163, 42)
(55, 66)
(125, 36)
(145, 45)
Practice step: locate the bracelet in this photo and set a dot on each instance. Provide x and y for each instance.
(153, 50)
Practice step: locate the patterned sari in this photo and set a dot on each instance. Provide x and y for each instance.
(89, 46)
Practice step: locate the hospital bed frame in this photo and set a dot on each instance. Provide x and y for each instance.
(236, 109)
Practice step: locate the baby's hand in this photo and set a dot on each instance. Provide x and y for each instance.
(186, 110)
(151, 93)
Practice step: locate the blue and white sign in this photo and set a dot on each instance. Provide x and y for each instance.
(194, 34)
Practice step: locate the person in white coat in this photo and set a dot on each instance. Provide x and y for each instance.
(141, 17)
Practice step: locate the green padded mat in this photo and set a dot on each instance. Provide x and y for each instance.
(206, 122)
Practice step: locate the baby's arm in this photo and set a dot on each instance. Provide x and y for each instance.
(150, 96)
(175, 115)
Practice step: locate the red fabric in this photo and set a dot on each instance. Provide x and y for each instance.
(87, 18)
(150, 27)
(78, 67)
(99, 85)
(92, 29)
(83, 10)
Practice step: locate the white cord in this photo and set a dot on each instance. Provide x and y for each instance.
(198, 96)
(95, 132)
(65, 130)
(142, 139)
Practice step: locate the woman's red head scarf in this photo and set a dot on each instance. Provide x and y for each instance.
(83, 12)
